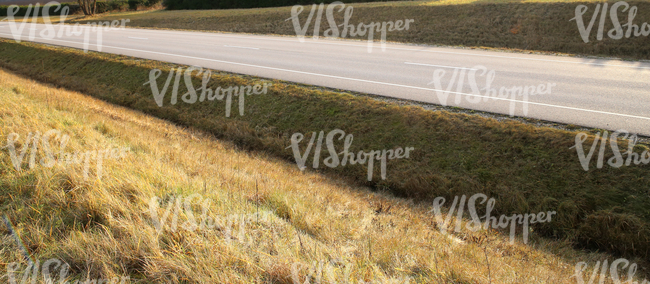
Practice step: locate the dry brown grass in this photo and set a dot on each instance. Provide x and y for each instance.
(103, 229)
(525, 168)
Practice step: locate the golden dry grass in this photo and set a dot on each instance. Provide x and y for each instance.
(102, 228)
(603, 209)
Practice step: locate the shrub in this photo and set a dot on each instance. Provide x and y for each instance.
(22, 10)
(101, 7)
(150, 3)
(233, 4)
(133, 4)
(118, 5)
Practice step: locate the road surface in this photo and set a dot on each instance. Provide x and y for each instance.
(600, 93)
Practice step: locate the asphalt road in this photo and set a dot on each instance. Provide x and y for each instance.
(608, 94)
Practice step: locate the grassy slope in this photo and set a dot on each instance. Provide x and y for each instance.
(527, 169)
(527, 25)
(102, 229)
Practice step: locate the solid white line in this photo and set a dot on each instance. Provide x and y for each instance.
(242, 47)
(138, 38)
(439, 66)
(359, 80)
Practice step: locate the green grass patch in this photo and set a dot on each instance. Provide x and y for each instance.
(526, 168)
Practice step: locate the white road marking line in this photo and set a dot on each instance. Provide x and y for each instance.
(421, 64)
(138, 38)
(242, 47)
(358, 80)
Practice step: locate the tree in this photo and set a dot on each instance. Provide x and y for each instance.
(88, 6)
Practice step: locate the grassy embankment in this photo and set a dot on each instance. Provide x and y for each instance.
(103, 229)
(527, 169)
(538, 25)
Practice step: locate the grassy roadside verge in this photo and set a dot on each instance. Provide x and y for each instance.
(531, 25)
(103, 229)
(527, 169)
